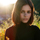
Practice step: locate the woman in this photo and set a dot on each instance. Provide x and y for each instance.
(22, 17)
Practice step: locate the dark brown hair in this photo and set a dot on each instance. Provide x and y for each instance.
(17, 8)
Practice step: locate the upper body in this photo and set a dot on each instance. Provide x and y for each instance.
(22, 17)
(24, 32)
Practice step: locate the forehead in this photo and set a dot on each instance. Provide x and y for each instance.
(26, 7)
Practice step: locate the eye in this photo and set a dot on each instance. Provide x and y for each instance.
(28, 11)
(22, 11)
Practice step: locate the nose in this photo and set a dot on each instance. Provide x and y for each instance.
(25, 14)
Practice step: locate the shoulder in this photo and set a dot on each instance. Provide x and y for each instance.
(9, 31)
(35, 26)
(10, 28)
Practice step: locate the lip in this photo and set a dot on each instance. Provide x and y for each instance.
(25, 19)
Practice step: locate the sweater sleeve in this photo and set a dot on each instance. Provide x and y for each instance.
(37, 33)
(6, 35)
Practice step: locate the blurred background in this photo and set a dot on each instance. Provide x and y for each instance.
(6, 8)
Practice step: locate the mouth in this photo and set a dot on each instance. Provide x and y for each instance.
(25, 19)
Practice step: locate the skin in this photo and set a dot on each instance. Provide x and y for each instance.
(25, 13)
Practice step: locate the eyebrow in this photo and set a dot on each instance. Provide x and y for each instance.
(23, 10)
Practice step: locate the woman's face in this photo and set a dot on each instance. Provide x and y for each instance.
(25, 13)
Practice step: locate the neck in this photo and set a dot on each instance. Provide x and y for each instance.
(24, 24)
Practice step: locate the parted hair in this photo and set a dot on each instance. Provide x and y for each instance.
(15, 16)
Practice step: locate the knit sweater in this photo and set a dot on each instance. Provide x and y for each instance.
(23, 32)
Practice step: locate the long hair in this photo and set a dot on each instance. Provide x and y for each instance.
(17, 8)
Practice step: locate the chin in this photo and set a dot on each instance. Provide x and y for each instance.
(25, 21)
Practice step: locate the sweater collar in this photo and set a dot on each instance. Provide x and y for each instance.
(24, 24)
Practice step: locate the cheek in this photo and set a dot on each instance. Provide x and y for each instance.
(21, 15)
(29, 15)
